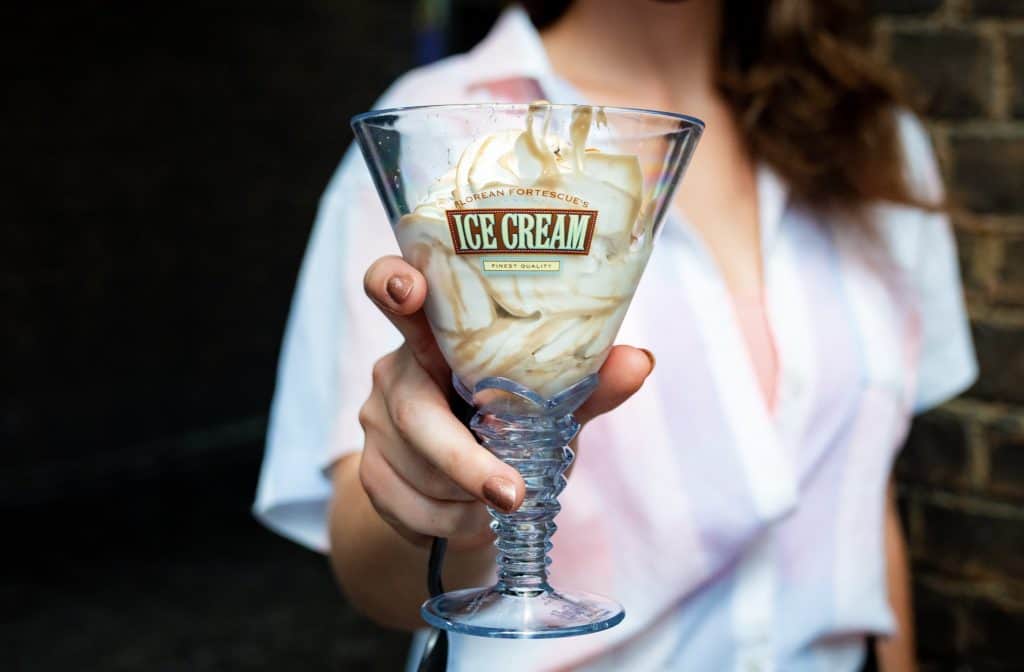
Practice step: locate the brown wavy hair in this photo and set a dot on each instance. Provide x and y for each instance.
(810, 99)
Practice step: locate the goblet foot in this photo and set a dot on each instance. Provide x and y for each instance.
(532, 434)
(488, 612)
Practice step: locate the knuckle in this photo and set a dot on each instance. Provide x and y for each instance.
(407, 415)
(381, 370)
(365, 416)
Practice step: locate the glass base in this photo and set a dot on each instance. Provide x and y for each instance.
(487, 612)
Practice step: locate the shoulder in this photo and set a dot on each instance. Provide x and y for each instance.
(440, 82)
(437, 83)
(906, 229)
(920, 164)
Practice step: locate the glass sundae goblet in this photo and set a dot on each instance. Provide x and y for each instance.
(532, 224)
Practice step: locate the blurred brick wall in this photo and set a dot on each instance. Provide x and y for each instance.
(962, 472)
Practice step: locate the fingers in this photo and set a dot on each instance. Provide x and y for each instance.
(399, 290)
(418, 517)
(409, 465)
(623, 373)
(424, 421)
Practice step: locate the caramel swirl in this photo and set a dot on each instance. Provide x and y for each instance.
(543, 330)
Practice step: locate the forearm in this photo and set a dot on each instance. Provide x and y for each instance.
(896, 653)
(380, 572)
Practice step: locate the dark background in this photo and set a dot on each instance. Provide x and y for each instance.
(164, 166)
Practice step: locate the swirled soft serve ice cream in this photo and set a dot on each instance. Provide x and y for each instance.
(532, 246)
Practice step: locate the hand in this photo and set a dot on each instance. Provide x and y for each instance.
(422, 469)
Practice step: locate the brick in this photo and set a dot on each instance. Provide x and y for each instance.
(965, 251)
(1015, 58)
(988, 172)
(961, 540)
(950, 69)
(980, 259)
(1000, 351)
(1010, 285)
(958, 629)
(1012, 271)
(904, 6)
(998, 8)
(990, 265)
(936, 617)
(993, 635)
(976, 663)
(1006, 461)
(936, 452)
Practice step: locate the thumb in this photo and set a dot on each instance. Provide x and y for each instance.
(622, 375)
(399, 290)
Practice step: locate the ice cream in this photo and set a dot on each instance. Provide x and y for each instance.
(532, 246)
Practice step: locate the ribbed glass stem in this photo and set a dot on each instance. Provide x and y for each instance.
(537, 448)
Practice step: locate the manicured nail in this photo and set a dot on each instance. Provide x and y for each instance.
(500, 492)
(650, 356)
(398, 288)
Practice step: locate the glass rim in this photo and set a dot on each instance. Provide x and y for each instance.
(363, 117)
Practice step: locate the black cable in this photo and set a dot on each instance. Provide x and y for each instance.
(437, 549)
(435, 651)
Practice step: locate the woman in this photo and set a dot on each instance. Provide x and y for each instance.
(803, 303)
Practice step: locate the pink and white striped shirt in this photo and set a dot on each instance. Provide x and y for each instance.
(740, 526)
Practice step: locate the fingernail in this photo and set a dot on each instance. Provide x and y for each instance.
(650, 356)
(398, 288)
(500, 492)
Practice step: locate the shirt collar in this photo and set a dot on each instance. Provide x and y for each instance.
(511, 49)
(772, 198)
